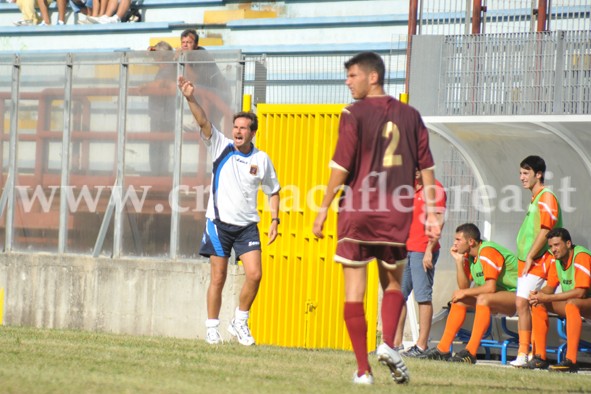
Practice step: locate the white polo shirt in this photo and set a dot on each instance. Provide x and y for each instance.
(235, 181)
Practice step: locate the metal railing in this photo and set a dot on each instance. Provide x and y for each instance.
(314, 78)
(454, 17)
(516, 74)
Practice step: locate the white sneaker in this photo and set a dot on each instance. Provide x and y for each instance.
(213, 336)
(24, 22)
(520, 361)
(391, 359)
(83, 19)
(104, 20)
(241, 332)
(366, 378)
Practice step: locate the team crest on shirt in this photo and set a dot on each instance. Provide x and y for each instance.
(254, 170)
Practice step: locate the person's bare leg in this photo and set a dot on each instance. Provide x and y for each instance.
(253, 272)
(42, 4)
(219, 271)
(61, 10)
(123, 8)
(425, 317)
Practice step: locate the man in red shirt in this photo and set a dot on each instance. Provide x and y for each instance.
(571, 269)
(381, 143)
(420, 267)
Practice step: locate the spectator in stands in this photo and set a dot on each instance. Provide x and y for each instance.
(161, 108)
(85, 8)
(571, 269)
(29, 14)
(205, 73)
(493, 269)
(111, 11)
(61, 9)
(420, 267)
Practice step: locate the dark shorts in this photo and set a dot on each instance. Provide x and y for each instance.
(219, 238)
(416, 279)
(359, 254)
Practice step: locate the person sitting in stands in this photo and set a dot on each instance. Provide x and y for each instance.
(493, 269)
(29, 14)
(83, 9)
(112, 11)
(61, 9)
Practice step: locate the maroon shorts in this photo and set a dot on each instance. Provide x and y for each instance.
(358, 254)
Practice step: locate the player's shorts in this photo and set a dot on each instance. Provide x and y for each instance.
(528, 283)
(540, 266)
(355, 254)
(219, 238)
(416, 279)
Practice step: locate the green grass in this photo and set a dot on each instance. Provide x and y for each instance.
(60, 361)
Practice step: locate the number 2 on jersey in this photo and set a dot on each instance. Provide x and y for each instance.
(390, 158)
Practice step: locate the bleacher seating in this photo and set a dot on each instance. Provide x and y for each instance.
(373, 24)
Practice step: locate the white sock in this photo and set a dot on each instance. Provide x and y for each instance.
(241, 315)
(212, 323)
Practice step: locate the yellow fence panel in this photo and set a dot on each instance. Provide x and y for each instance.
(300, 302)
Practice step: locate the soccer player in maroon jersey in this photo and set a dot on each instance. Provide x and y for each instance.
(381, 143)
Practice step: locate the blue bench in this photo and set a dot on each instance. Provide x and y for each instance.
(584, 346)
(489, 342)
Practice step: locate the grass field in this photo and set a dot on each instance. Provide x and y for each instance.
(58, 361)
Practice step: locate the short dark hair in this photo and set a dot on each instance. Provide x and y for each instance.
(470, 231)
(191, 32)
(536, 164)
(560, 232)
(254, 121)
(369, 61)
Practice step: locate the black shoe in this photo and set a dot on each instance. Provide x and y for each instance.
(435, 354)
(413, 351)
(564, 366)
(463, 356)
(537, 363)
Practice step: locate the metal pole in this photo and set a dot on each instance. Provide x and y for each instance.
(121, 127)
(412, 30)
(542, 10)
(176, 170)
(476, 19)
(12, 163)
(66, 141)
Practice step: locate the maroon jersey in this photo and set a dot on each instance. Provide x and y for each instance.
(381, 143)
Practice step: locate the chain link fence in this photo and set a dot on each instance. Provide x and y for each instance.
(516, 74)
(314, 78)
(453, 17)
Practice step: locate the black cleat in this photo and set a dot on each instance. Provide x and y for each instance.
(463, 356)
(435, 354)
(564, 366)
(537, 363)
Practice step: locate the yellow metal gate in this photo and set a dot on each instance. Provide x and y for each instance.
(300, 302)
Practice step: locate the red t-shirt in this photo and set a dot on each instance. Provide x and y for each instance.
(381, 143)
(417, 240)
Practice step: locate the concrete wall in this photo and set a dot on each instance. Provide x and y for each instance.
(139, 297)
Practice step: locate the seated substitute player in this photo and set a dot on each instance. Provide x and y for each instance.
(571, 270)
(493, 269)
(239, 169)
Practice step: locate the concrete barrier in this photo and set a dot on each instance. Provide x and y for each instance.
(125, 296)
